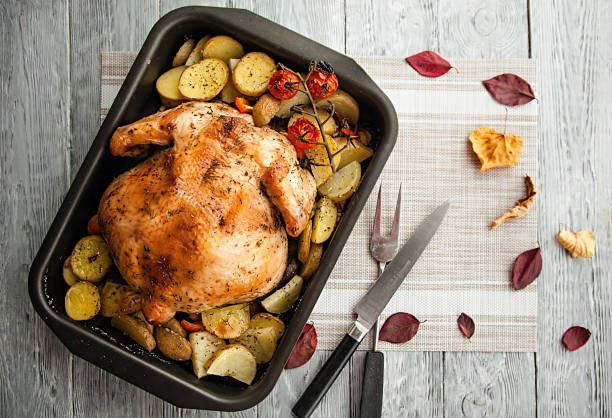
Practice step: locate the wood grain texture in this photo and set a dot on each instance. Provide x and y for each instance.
(572, 43)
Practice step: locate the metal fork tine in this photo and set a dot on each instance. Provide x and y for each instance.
(376, 229)
(396, 219)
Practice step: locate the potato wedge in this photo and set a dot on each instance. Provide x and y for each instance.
(135, 329)
(345, 106)
(183, 52)
(284, 298)
(266, 320)
(140, 315)
(119, 299)
(204, 80)
(227, 322)
(175, 326)
(284, 109)
(352, 151)
(222, 47)
(260, 341)
(312, 263)
(69, 277)
(203, 346)
(342, 184)
(82, 301)
(172, 345)
(90, 259)
(196, 53)
(229, 93)
(324, 220)
(167, 85)
(304, 242)
(265, 109)
(252, 73)
(233, 360)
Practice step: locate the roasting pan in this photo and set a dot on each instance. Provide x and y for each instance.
(95, 340)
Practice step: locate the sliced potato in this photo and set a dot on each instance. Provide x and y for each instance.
(352, 151)
(312, 263)
(266, 320)
(343, 183)
(233, 360)
(90, 260)
(175, 326)
(196, 53)
(135, 329)
(324, 220)
(69, 277)
(82, 301)
(344, 105)
(284, 110)
(227, 322)
(252, 73)
(283, 299)
(229, 93)
(119, 299)
(167, 84)
(265, 109)
(203, 346)
(222, 47)
(204, 80)
(140, 315)
(172, 345)
(260, 341)
(304, 242)
(183, 52)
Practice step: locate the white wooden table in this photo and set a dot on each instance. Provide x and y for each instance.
(49, 85)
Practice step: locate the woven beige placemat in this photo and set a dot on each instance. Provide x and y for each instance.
(466, 267)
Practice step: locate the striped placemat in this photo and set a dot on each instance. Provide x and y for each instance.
(467, 267)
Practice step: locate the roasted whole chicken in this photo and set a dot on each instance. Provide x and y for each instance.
(198, 224)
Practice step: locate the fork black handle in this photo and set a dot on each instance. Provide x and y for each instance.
(372, 386)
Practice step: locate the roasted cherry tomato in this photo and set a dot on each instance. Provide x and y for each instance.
(322, 81)
(303, 134)
(192, 326)
(243, 105)
(283, 84)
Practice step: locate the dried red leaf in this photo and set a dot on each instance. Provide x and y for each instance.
(429, 64)
(466, 325)
(304, 348)
(399, 328)
(575, 337)
(527, 268)
(509, 89)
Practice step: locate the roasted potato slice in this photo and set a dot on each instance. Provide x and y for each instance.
(204, 80)
(69, 277)
(140, 315)
(229, 92)
(227, 322)
(266, 320)
(304, 242)
(252, 73)
(203, 346)
(172, 345)
(265, 109)
(352, 151)
(183, 52)
(222, 47)
(260, 341)
(82, 301)
(175, 326)
(344, 105)
(90, 259)
(233, 360)
(283, 299)
(324, 220)
(196, 53)
(135, 329)
(119, 299)
(312, 263)
(167, 85)
(342, 184)
(284, 109)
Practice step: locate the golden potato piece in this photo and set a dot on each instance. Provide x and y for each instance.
(139, 315)
(260, 341)
(183, 52)
(352, 151)
(265, 109)
(167, 85)
(222, 47)
(252, 73)
(196, 53)
(304, 242)
(342, 184)
(312, 263)
(172, 345)
(175, 326)
(284, 109)
(265, 320)
(135, 329)
(229, 93)
(203, 346)
(283, 299)
(344, 105)
(69, 277)
(90, 259)
(227, 322)
(119, 299)
(324, 220)
(204, 80)
(82, 301)
(233, 360)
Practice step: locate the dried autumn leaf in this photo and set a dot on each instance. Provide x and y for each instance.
(527, 268)
(575, 337)
(495, 149)
(466, 325)
(522, 206)
(399, 328)
(581, 243)
(429, 64)
(304, 348)
(509, 89)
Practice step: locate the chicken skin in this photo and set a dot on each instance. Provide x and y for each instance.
(198, 224)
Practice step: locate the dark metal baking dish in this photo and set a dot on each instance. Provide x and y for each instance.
(104, 346)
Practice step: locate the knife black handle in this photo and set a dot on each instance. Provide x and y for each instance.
(372, 386)
(309, 400)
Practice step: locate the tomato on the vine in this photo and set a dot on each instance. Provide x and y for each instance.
(322, 81)
(303, 134)
(283, 84)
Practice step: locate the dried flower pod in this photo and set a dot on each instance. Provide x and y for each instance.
(581, 243)
(522, 206)
(495, 149)
(575, 337)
